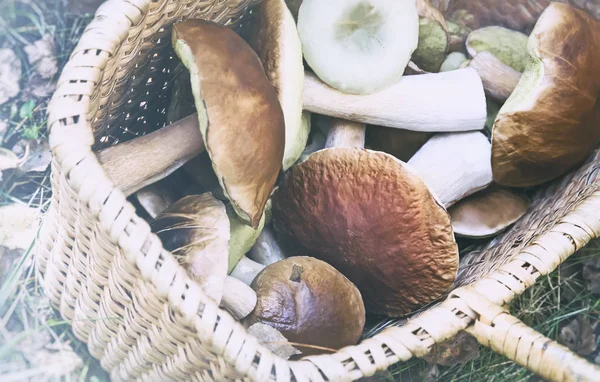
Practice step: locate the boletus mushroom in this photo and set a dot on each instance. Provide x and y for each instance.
(310, 303)
(373, 218)
(196, 230)
(433, 37)
(550, 123)
(274, 37)
(488, 212)
(358, 46)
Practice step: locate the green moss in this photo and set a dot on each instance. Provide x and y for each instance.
(433, 45)
(507, 45)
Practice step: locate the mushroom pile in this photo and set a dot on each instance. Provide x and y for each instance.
(336, 150)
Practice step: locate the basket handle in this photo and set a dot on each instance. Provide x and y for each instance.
(497, 329)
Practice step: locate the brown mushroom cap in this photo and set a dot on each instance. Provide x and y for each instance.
(374, 219)
(233, 96)
(488, 212)
(275, 39)
(196, 230)
(309, 302)
(550, 123)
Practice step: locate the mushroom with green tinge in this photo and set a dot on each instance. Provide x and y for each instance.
(219, 78)
(433, 38)
(274, 37)
(312, 304)
(488, 212)
(509, 46)
(453, 62)
(549, 125)
(196, 230)
(373, 218)
(353, 46)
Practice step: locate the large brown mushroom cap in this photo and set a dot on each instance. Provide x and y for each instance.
(241, 121)
(373, 218)
(550, 122)
(309, 302)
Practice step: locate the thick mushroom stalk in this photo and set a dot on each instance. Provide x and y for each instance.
(439, 102)
(266, 250)
(239, 299)
(246, 270)
(454, 166)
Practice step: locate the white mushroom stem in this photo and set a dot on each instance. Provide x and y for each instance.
(137, 163)
(499, 80)
(343, 133)
(266, 250)
(239, 299)
(455, 165)
(246, 270)
(440, 102)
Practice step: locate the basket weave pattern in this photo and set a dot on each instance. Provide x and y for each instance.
(144, 319)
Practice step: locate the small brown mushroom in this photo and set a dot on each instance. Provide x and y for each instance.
(310, 303)
(488, 212)
(549, 125)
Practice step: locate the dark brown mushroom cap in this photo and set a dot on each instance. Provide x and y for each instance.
(240, 117)
(488, 212)
(309, 302)
(550, 123)
(374, 219)
(196, 230)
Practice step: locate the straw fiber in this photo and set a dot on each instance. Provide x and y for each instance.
(145, 320)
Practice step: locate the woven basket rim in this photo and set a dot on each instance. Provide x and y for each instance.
(71, 139)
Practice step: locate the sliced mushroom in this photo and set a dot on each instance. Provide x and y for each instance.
(433, 38)
(454, 165)
(499, 80)
(487, 213)
(226, 71)
(196, 230)
(425, 102)
(509, 46)
(310, 303)
(549, 124)
(275, 38)
(367, 214)
(358, 47)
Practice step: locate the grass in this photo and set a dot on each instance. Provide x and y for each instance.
(37, 344)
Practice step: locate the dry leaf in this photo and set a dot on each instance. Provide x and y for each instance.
(41, 55)
(273, 340)
(579, 336)
(18, 226)
(10, 75)
(458, 350)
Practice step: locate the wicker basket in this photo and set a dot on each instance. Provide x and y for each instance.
(144, 319)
